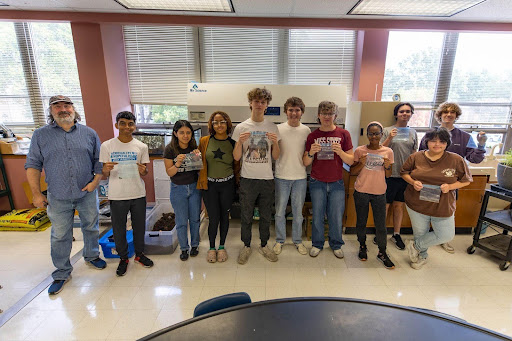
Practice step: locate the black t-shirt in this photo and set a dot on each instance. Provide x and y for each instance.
(181, 177)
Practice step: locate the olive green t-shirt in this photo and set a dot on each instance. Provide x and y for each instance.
(219, 157)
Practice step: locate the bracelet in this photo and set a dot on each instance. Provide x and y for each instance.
(388, 168)
(310, 156)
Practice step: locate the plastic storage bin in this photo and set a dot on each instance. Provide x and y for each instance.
(109, 248)
(160, 242)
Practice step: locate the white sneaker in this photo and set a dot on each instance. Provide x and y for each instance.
(268, 253)
(301, 248)
(413, 253)
(278, 247)
(314, 251)
(419, 264)
(448, 248)
(338, 253)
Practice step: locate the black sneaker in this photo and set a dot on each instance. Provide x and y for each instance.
(383, 257)
(184, 255)
(194, 251)
(122, 267)
(399, 243)
(144, 261)
(375, 240)
(363, 253)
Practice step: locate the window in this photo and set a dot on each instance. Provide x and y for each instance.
(158, 82)
(37, 61)
(240, 55)
(321, 57)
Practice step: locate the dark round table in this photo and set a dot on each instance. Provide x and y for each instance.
(324, 318)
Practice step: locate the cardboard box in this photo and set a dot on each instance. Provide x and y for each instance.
(9, 147)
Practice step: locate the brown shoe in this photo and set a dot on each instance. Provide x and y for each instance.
(211, 256)
(222, 255)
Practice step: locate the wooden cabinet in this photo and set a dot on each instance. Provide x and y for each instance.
(466, 215)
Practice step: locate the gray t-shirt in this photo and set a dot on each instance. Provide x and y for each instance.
(402, 148)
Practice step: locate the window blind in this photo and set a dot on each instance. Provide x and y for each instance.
(240, 55)
(320, 57)
(161, 61)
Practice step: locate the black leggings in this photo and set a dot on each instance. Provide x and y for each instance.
(218, 199)
(362, 201)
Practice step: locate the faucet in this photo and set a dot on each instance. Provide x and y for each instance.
(491, 155)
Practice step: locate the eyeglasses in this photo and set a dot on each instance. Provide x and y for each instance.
(437, 141)
(216, 123)
(374, 134)
(328, 114)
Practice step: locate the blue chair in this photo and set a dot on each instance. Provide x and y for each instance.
(222, 302)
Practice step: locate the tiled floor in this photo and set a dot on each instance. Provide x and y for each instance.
(97, 305)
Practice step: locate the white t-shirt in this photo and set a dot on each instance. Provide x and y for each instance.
(256, 151)
(289, 166)
(124, 182)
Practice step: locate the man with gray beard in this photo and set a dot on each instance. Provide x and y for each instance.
(69, 154)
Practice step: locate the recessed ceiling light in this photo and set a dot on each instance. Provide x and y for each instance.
(427, 8)
(180, 5)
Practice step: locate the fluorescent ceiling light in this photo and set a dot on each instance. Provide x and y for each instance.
(180, 5)
(2, 4)
(427, 8)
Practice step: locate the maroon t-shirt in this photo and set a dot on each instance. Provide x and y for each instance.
(328, 170)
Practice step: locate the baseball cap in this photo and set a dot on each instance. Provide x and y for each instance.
(60, 98)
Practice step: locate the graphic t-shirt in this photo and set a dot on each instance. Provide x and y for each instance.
(324, 168)
(448, 169)
(402, 147)
(256, 151)
(124, 182)
(182, 177)
(289, 166)
(372, 178)
(219, 156)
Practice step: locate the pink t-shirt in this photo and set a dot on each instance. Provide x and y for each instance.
(372, 178)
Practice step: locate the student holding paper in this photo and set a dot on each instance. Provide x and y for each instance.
(443, 172)
(182, 161)
(403, 140)
(372, 165)
(124, 163)
(462, 142)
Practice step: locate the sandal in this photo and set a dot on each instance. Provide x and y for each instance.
(211, 256)
(222, 255)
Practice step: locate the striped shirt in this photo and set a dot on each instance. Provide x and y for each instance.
(69, 158)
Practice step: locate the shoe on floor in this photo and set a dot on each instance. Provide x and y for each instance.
(419, 264)
(222, 255)
(399, 243)
(278, 247)
(184, 255)
(57, 286)
(314, 251)
(384, 258)
(301, 248)
(268, 253)
(194, 251)
(144, 261)
(243, 257)
(363, 253)
(122, 267)
(448, 248)
(211, 256)
(413, 253)
(338, 253)
(97, 263)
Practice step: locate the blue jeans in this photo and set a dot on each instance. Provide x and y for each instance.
(327, 197)
(61, 214)
(186, 201)
(297, 189)
(443, 230)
